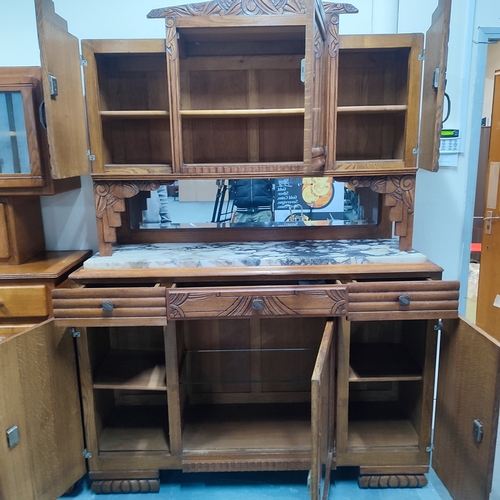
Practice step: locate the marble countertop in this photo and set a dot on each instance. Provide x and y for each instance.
(255, 254)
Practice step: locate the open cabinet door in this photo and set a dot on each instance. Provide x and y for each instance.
(434, 84)
(322, 416)
(39, 404)
(317, 65)
(467, 410)
(62, 93)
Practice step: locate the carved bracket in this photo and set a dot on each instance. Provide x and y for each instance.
(109, 197)
(399, 194)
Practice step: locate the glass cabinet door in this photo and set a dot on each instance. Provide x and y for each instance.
(20, 163)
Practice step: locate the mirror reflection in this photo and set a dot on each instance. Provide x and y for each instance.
(307, 201)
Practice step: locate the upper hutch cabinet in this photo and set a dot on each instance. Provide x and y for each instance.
(43, 144)
(379, 88)
(235, 90)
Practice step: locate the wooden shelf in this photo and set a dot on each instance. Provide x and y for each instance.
(381, 433)
(240, 113)
(132, 370)
(380, 424)
(134, 115)
(251, 427)
(385, 108)
(135, 428)
(382, 363)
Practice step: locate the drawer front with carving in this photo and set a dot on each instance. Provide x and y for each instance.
(403, 300)
(24, 302)
(268, 301)
(117, 306)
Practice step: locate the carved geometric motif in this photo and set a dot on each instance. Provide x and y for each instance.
(197, 304)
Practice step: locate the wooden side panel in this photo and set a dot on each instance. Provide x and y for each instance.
(65, 112)
(436, 56)
(39, 393)
(468, 389)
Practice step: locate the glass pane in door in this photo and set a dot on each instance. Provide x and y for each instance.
(14, 154)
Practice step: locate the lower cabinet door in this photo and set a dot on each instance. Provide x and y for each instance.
(322, 415)
(40, 414)
(467, 410)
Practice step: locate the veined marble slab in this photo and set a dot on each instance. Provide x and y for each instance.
(251, 254)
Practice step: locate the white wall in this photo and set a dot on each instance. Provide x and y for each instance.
(444, 201)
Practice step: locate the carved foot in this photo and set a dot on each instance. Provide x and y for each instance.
(393, 481)
(126, 486)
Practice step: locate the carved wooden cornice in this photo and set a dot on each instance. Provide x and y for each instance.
(232, 8)
(109, 197)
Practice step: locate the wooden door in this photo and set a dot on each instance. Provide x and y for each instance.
(64, 106)
(322, 416)
(488, 299)
(468, 392)
(316, 118)
(39, 395)
(434, 84)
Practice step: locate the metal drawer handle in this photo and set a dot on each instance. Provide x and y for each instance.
(404, 300)
(107, 306)
(257, 304)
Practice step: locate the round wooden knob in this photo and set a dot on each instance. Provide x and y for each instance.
(404, 300)
(257, 304)
(107, 306)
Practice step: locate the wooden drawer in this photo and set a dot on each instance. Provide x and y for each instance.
(24, 301)
(264, 301)
(120, 306)
(403, 300)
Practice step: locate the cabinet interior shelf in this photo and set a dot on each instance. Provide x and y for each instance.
(237, 113)
(135, 428)
(134, 115)
(380, 424)
(131, 370)
(385, 108)
(382, 362)
(232, 428)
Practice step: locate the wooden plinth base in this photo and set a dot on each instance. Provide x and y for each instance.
(126, 486)
(393, 481)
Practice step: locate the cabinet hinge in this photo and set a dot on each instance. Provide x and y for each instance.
(421, 56)
(416, 150)
(83, 61)
(86, 453)
(74, 332)
(439, 325)
(91, 156)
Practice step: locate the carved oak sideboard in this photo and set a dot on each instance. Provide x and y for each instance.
(275, 356)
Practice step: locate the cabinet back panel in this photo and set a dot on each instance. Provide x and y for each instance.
(132, 82)
(373, 77)
(137, 141)
(370, 137)
(216, 90)
(215, 140)
(243, 40)
(279, 88)
(281, 139)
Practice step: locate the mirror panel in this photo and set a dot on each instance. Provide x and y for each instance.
(286, 202)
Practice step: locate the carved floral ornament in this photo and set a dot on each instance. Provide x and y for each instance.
(247, 7)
